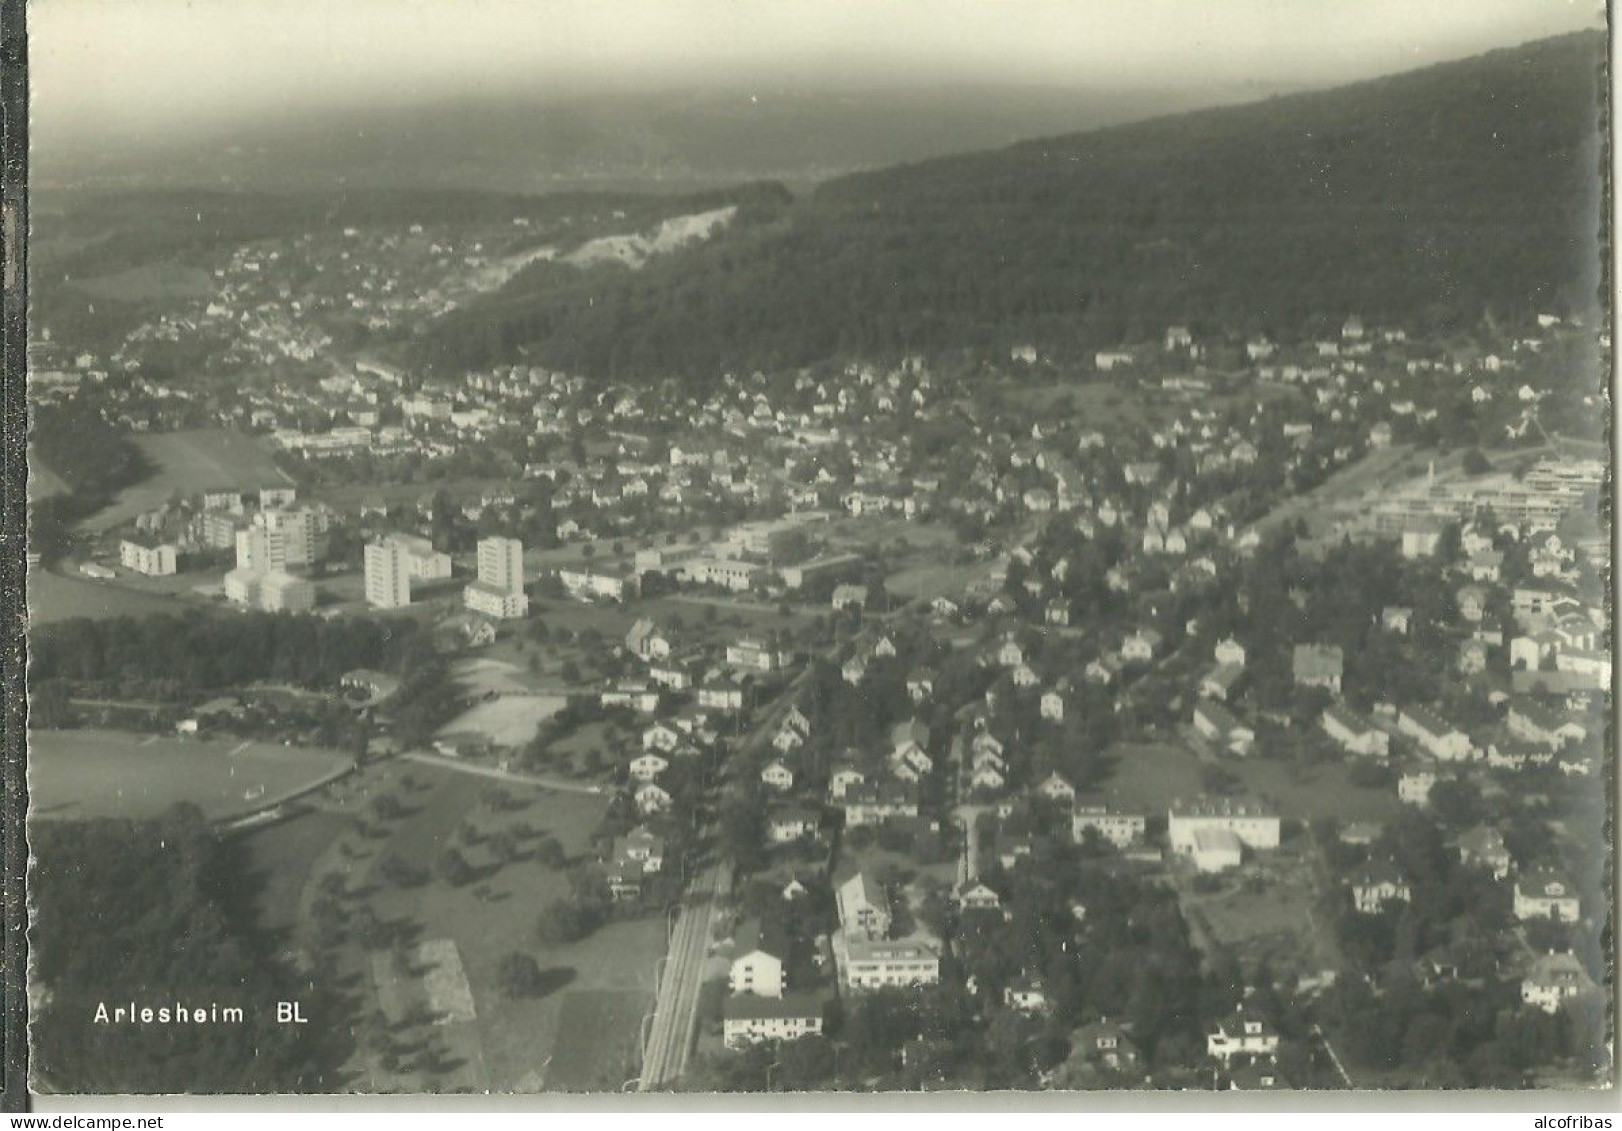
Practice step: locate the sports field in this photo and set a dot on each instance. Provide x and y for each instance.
(80, 774)
(188, 462)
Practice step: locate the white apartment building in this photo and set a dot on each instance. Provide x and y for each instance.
(495, 602)
(1245, 820)
(501, 563)
(872, 963)
(285, 593)
(388, 574)
(1120, 829)
(154, 561)
(748, 1020)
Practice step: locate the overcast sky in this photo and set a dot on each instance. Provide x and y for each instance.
(104, 66)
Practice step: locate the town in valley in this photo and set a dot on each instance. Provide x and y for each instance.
(1205, 709)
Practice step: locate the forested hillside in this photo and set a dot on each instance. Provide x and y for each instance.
(1430, 199)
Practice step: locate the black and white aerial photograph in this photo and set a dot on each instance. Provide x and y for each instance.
(818, 546)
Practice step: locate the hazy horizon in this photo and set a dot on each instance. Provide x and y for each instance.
(113, 70)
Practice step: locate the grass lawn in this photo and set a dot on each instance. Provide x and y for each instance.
(53, 597)
(1149, 777)
(189, 462)
(937, 579)
(1314, 793)
(104, 773)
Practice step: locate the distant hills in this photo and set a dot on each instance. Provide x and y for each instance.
(1430, 199)
(680, 140)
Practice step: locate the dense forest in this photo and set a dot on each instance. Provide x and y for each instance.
(158, 911)
(95, 461)
(1429, 199)
(201, 652)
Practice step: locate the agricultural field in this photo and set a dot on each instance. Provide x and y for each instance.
(450, 939)
(81, 774)
(188, 462)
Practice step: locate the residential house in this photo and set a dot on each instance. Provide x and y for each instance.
(749, 1020)
(1353, 732)
(1554, 979)
(1219, 724)
(1120, 829)
(978, 897)
(777, 776)
(1318, 665)
(1398, 619)
(759, 952)
(1483, 846)
(863, 906)
(1220, 681)
(1141, 646)
(1106, 1045)
(648, 766)
(874, 963)
(1438, 737)
(1247, 1034)
(1026, 994)
(1414, 787)
(1536, 723)
(651, 798)
(1544, 894)
(874, 804)
(1056, 788)
(841, 779)
(1254, 826)
(785, 826)
(1376, 886)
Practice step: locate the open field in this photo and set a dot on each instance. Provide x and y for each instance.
(52, 597)
(148, 282)
(603, 1050)
(939, 579)
(102, 773)
(1380, 469)
(509, 721)
(1148, 777)
(188, 462)
(604, 983)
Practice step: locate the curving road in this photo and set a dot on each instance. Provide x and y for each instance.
(675, 1013)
